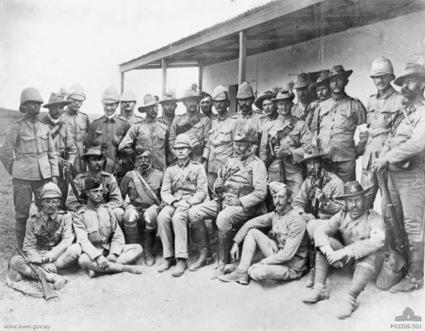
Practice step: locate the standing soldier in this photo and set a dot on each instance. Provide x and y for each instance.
(108, 131)
(77, 122)
(268, 108)
(111, 192)
(148, 133)
(28, 154)
(304, 97)
(128, 103)
(184, 186)
(381, 110)
(193, 124)
(65, 147)
(100, 246)
(244, 187)
(142, 185)
(283, 144)
(48, 238)
(169, 105)
(206, 104)
(339, 117)
(404, 152)
(220, 143)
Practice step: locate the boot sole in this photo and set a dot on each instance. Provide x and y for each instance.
(314, 301)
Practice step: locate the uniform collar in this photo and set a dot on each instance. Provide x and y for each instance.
(185, 164)
(285, 210)
(222, 118)
(109, 119)
(45, 217)
(147, 172)
(249, 115)
(390, 91)
(336, 97)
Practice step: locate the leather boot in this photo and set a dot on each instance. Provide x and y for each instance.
(415, 275)
(346, 307)
(224, 246)
(238, 276)
(166, 264)
(180, 268)
(133, 269)
(310, 278)
(200, 238)
(148, 245)
(317, 293)
(130, 225)
(58, 281)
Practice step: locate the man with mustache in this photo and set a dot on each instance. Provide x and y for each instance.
(142, 185)
(283, 142)
(110, 190)
(148, 133)
(267, 109)
(340, 115)
(363, 234)
(244, 186)
(62, 138)
(381, 110)
(404, 153)
(29, 156)
(206, 104)
(193, 124)
(169, 106)
(317, 197)
(78, 123)
(128, 103)
(284, 248)
(304, 97)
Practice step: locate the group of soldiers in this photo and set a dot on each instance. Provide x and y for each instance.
(279, 177)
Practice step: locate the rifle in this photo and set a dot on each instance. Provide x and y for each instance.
(48, 291)
(73, 187)
(398, 240)
(219, 191)
(317, 202)
(281, 164)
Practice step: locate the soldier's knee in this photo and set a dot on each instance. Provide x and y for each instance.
(179, 219)
(84, 260)
(223, 221)
(311, 227)
(119, 214)
(137, 249)
(16, 262)
(257, 273)
(74, 251)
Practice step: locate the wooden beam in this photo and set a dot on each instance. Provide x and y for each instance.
(200, 73)
(122, 82)
(242, 57)
(164, 76)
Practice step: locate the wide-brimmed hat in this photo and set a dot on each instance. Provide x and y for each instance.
(303, 80)
(182, 140)
(315, 155)
(338, 70)
(284, 94)
(190, 94)
(168, 97)
(322, 79)
(56, 99)
(352, 189)
(148, 101)
(270, 95)
(93, 151)
(204, 95)
(413, 67)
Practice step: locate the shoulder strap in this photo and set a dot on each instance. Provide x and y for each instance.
(141, 183)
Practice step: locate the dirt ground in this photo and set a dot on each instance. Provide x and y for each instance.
(153, 301)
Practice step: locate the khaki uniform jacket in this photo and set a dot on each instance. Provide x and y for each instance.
(245, 179)
(79, 126)
(333, 186)
(111, 192)
(37, 241)
(407, 142)
(147, 135)
(154, 179)
(108, 133)
(197, 127)
(220, 144)
(338, 122)
(252, 120)
(381, 110)
(62, 138)
(361, 237)
(98, 230)
(187, 182)
(28, 151)
(300, 111)
(289, 232)
(132, 119)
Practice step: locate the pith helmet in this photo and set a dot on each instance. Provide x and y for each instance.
(30, 94)
(110, 95)
(50, 190)
(381, 66)
(245, 91)
(220, 93)
(76, 91)
(56, 99)
(414, 67)
(276, 187)
(182, 140)
(128, 96)
(168, 97)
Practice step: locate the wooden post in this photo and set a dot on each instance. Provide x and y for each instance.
(164, 76)
(242, 57)
(200, 72)
(122, 82)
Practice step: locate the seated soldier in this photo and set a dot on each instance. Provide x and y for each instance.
(285, 248)
(185, 185)
(143, 187)
(111, 193)
(48, 239)
(363, 234)
(244, 184)
(100, 242)
(317, 198)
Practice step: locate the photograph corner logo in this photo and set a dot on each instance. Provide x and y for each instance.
(407, 320)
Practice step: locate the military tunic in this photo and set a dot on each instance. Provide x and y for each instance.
(251, 120)
(300, 110)
(131, 119)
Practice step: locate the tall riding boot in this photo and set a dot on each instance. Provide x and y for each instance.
(149, 246)
(200, 238)
(415, 275)
(224, 246)
(131, 227)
